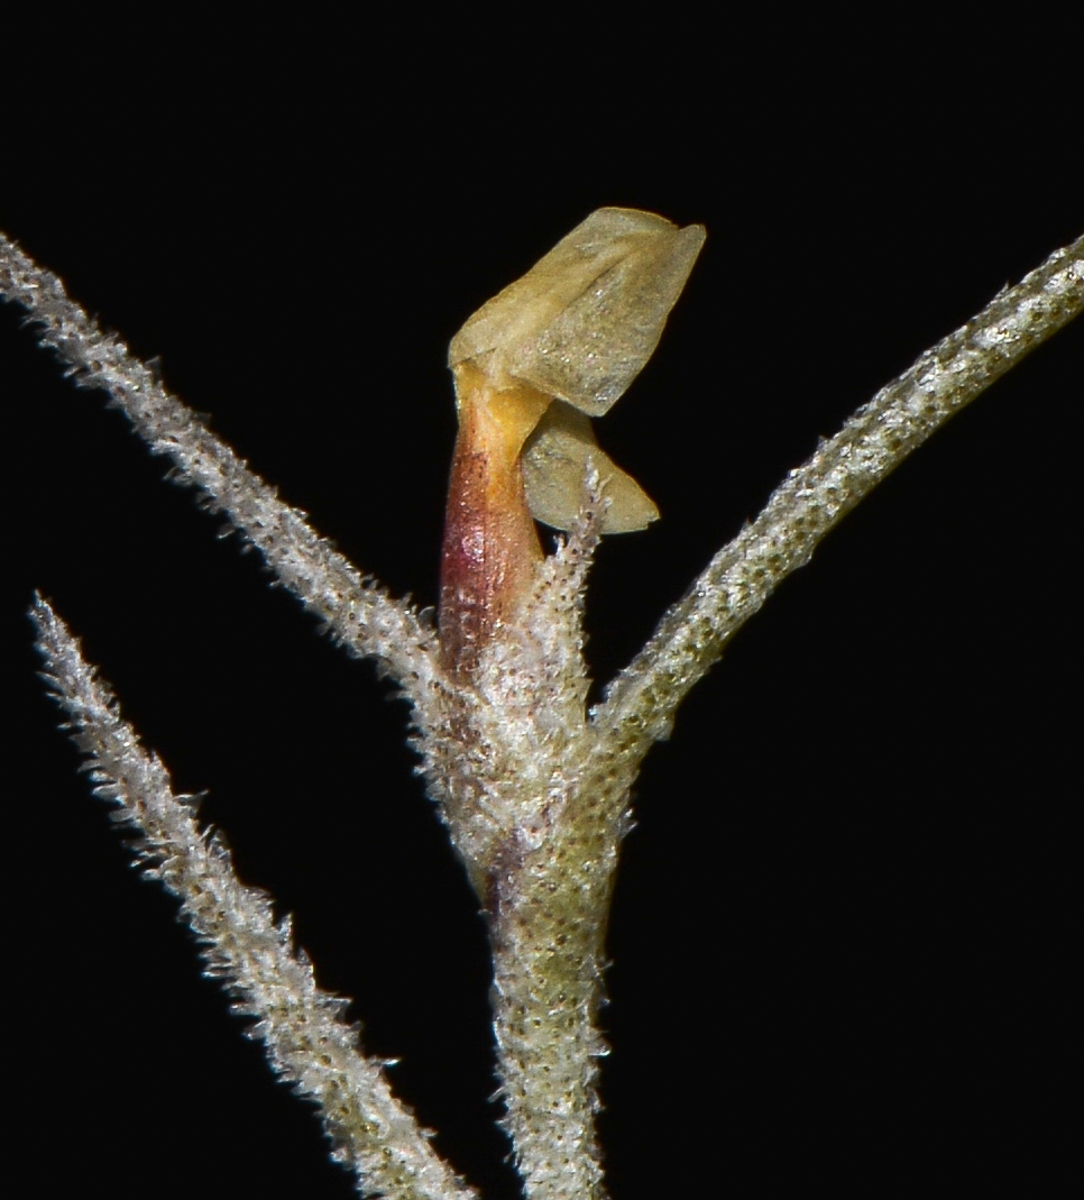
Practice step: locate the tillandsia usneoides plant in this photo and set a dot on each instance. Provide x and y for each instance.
(530, 773)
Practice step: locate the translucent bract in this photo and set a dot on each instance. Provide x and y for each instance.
(579, 327)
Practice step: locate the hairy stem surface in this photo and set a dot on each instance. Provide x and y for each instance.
(357, 611)
(301, 1026)
(641, 702)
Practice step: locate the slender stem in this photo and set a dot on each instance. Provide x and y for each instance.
(300, 1025)
(543, 865)
(547, 941)
(640, 704)
(359, 613)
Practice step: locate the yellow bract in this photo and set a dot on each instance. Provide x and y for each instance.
(578, 328)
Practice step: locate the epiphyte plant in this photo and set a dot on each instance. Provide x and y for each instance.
(532, 788)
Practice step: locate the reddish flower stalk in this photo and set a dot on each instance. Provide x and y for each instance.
(490, 543)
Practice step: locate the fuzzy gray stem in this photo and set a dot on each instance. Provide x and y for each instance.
(547, 925)
(539, 830)
(642, 700)
(306, 1041)
(359, 613)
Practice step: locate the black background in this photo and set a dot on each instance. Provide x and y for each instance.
(839, 928)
